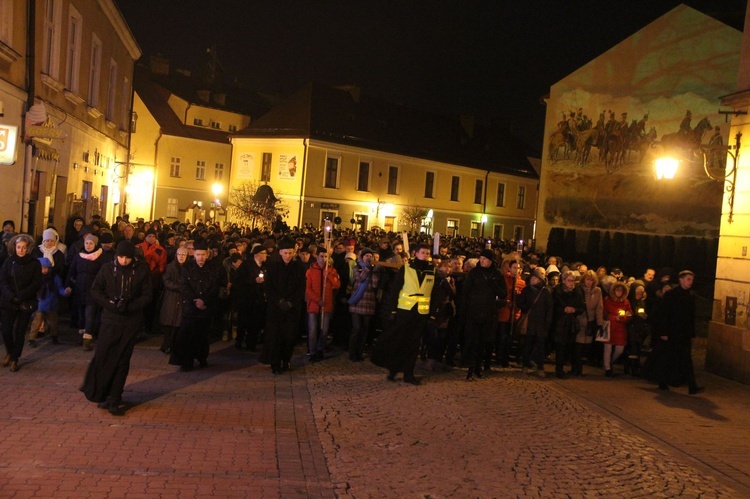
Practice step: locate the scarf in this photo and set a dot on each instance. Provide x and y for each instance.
(90, 256)
(47, 253)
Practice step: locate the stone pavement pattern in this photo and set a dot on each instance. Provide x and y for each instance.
(509, 435)
(339, 429)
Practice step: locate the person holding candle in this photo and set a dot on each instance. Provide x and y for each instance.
(618, 311)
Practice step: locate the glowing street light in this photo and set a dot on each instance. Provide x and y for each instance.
(666, 168)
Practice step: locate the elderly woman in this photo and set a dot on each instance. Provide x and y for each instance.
(589, 321)
(53, 250)
(170, 315)
(81, 274)
(20, 279)
(568, 305)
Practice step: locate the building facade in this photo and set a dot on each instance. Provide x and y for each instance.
(72, 117)
(330, 153)
(610, 119)
(728, 349)
(181, 155)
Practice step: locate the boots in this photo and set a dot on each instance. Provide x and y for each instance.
(87, 345)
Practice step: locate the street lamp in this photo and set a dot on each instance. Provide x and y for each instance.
(666, 167)
(484, 221)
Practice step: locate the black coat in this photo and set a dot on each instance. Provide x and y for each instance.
(539, 307)
(20, 280)
(81, 275)
(565, 326)
(200, 282)
(119, 328)
(679, 316)
(285, 290)
(481, 291)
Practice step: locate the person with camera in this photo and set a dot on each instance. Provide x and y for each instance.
(123, 290)
(20, 280)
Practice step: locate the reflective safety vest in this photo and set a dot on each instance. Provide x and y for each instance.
(412, 293)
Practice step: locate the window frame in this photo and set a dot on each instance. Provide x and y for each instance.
(219, 172)
(51, 38)
(265, 169)
(427, 173)
(327, 173)
(175, 164)
(112, 91)
(95, 71)
(367, 178)
(397, 184)
(521, 201)
(500, 198)
(200, 170)
(455, 188)
(73, 50)
(478, 191)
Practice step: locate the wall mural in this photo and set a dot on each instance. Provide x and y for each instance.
(655, 93)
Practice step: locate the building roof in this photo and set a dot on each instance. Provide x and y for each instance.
(156, 98)
(343, 116)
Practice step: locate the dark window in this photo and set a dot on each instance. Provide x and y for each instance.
(500, 195)
(429, 185)
(393, 180)
(265, 173)
(521, 198)
(455, 183)
(332, 173)
(363, 180)
(478, 188)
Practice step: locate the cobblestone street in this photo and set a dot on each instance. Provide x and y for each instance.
(338, 428)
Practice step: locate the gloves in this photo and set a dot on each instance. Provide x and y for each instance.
(121, 306)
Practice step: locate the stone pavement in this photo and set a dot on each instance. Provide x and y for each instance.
(339, 429)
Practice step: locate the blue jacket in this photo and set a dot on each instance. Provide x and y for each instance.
(52, 286)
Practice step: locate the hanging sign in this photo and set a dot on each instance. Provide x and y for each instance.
(8, 137)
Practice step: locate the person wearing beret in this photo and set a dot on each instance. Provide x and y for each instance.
(122, 288)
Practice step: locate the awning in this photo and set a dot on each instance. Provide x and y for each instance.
(43, 151)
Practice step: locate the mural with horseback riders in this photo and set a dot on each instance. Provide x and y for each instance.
(616, 142)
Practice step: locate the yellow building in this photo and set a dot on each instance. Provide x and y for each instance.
(329, 152)
(74, 113)
(180, 151)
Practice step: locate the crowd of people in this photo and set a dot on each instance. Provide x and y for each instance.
(393, 297)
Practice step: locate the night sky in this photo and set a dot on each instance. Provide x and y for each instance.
(492, 59)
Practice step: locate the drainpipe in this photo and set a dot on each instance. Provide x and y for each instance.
(302, 184)
(156, 170)
(484, 206)
(190, 104)
(24, 224)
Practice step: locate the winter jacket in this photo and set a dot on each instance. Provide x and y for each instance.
(539, 308)
(52, 286)
(200, 282)
(365, 276)
(592, 312)
(20, 280)
(171, 303)
(482, 290)
(82, 273)
(314, 287)
(122, 292)
(565, 325)
(504, 312)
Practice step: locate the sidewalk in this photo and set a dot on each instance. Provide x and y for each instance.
(712, 428)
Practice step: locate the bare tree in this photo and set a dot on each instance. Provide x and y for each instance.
(412, 217)
(255, 205)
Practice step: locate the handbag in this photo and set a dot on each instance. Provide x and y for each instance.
(602, 334)
(523, 323)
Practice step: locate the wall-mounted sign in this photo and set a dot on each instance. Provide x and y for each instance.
(329, 206)
(287, 166)
(246, 166)
(8, 137)
(44, 132)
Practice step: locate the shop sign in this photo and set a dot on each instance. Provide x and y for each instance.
(8, 137)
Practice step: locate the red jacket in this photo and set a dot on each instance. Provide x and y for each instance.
(156, 257)
(503, 315)
(314, 287)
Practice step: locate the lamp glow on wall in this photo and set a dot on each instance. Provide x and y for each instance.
(140, 191)
(216, 189)
(666, 167)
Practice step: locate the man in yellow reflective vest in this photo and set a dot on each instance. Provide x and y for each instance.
(409, 301)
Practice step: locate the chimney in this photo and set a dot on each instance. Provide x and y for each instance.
(204, 95)
(159, 65)
(220, 98)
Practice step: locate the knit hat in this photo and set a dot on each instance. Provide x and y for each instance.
(257, 248)
(50, 235)
(91, 237)
(126, 248)
(539, 273)
(364, 252)
(488, 253)
(150, 232)
(45, 261)
(552, 270)
(200, 245)
(106, 237)
(284, 243)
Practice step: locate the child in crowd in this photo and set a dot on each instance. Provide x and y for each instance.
(45, 317)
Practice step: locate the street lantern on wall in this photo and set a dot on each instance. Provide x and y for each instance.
(666, 167)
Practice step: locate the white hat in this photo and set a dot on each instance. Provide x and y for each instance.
(50, 235)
